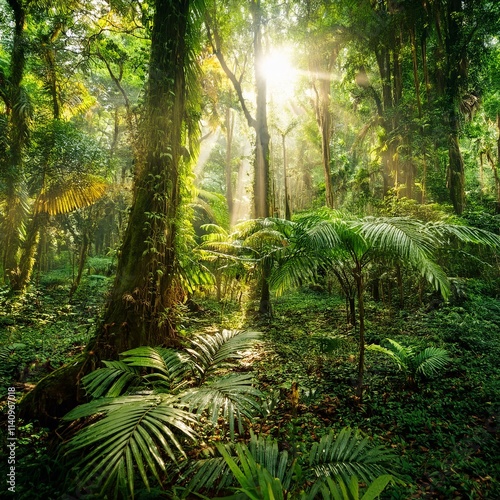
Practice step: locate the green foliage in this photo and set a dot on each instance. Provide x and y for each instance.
(135, 432)
(428, 362)
(263, 472)
(150, 397)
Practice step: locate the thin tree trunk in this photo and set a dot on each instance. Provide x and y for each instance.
(84, 250)
(229, 167)
(361, 315)
(288, 210)
(262, 188)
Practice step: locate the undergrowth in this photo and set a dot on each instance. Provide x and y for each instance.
(444, 429)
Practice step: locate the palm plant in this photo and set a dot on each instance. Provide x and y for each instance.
(147, 405)
(427, 362)
(255, 242)
(331, 469)
(329, 239)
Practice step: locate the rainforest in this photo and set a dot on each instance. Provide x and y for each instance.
(250, 249)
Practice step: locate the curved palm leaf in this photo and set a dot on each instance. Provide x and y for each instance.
(233, 397)
(400, 354)
(135, 432)
(112, 380)
(209, 353)
(256, 482)
(264, 472)
(214, 472)
(170, 367)
(69, 194)
(338, 489)
(430, 361)
(347, 455)
(427, 362)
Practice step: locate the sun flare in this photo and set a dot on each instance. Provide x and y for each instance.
(279, 71)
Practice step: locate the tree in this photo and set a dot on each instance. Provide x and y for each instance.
(331, 239)
(142, 302)
(255, 241)
(140, 311)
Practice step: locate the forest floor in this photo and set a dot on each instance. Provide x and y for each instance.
(445, 429)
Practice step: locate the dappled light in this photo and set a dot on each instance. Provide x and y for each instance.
(250, 250)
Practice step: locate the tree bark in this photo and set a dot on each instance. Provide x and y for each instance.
(229, 169)
(17, 137)
(143, 295)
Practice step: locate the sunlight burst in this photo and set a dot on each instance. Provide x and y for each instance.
(279, 71)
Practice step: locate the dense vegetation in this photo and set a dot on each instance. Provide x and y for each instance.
(250, 249)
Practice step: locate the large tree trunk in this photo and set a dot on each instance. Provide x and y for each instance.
(138, 310)
(455, 82)
(17, 138)
(262, 188)
(144, 287)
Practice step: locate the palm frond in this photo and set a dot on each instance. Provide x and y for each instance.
(233, 397)
(112, 380)
(431, 361)
(347, 455)
(212, 352)
(214, 471)
(168, 366)
(398, 235)
(256, 482)
(136, 431)
(338, 489)
(208, 474)
(68, 195)
(265, 452)
(465, 234)
(294, 270)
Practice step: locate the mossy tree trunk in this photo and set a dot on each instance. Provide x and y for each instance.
(17, 132)
(143, 294)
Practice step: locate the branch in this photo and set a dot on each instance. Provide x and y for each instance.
(216, 47)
